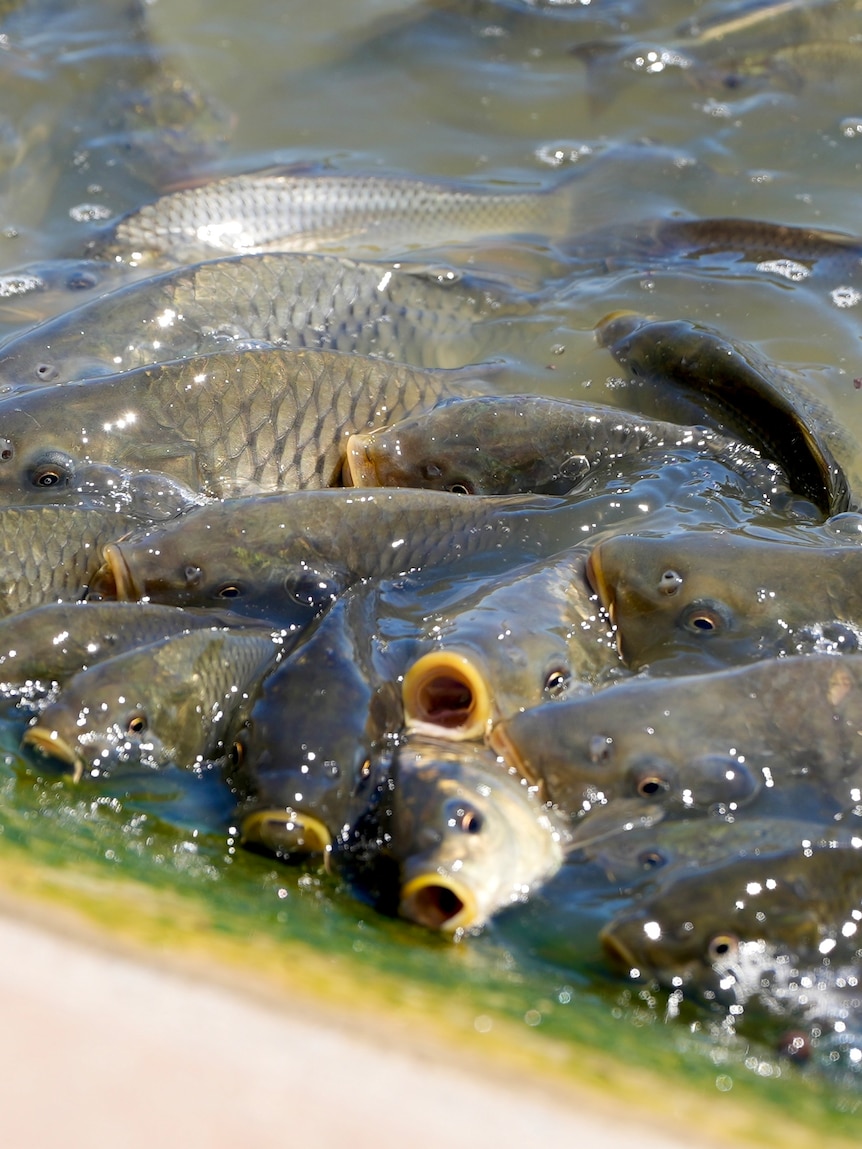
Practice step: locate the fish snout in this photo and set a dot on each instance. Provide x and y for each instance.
(446, 696)
(438, 902)
(114, 578)
(284, 832)
(358, 469)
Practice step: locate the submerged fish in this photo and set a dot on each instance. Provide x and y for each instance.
(788, 727)
(288, 300)
(454, 837)
(49, 553)
(285, 209)
(173, 701)
(218, 425)
(301, 760)
(501, 445)
(802, 901)
(530, 636)
(49, 643)
(727, 597)
(737, 388)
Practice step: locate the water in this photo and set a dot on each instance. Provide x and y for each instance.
(480, 93)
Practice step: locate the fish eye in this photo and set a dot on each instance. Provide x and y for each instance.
(229, 590)
(465, 817)
(45, 372)
(54, 469)
(137, 723)
(652, 784)
(461, 487)
(670, 582)
(236, 753)
(722, 946)
(557, 682)
(705, 618)
(651, 859)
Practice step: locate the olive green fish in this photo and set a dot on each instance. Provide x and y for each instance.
(288, 209)
(430, 318)
(728, 597)
(49, 643)
(736, 387)
(49, 553)
(501, 445)
(222, 424)
(288, 557)
(454, 837)
(173, 701)
(777, 728)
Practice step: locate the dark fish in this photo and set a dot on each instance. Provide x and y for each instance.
(50, 643)
(455, 837)
(733, 385)
(502, 445)
(285, 209)
(174, 701)
(301, 761)
(49, 553)
(218, 425)
(425, 317)
(702, 740)
(728, 597)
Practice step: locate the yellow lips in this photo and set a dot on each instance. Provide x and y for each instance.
(446, 696)
(284, 831)
(50, 743)
(438, 903)
(114, 579)
(596, 578)
(358, 469)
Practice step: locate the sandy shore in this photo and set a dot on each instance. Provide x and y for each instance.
(100, 1050)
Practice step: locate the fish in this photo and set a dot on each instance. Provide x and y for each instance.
(219, 425)
(725, 597)
(455, 837)
(744, 394)
(294, 209)
(51, 642)
(291, 555)
(799, 900)
(431, 317)
(532, 635)
(793, 66)
(300, 763)
(511, 444)
(49, 552)
(772, 732)
(171, 702)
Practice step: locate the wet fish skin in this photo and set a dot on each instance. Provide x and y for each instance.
(796, 899)
(295, 301)
(726, 597)
(754, 734)
(223, 424)
(456, 837)
(49, 552)
(300, 763)
(734, 386)
(287, 557)
(173, 701)
(285, 209)
(501, 445)
(50, 643)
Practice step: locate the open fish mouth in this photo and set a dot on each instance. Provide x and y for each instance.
(596, 578)
(114, 578)
(619, 954)
(285, 832)
(49, 742)
(444, 695)
(438, 903)
(358, 470)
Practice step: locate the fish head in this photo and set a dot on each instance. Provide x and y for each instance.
(30, 363)
(469, 835)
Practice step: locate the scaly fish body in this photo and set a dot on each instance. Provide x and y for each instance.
(739, 389)
(173, 701)
(501, 445)
(282, 210)
(701, 739)
(727, 597)
(454, 838)
(287, 300)
(220, 424)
